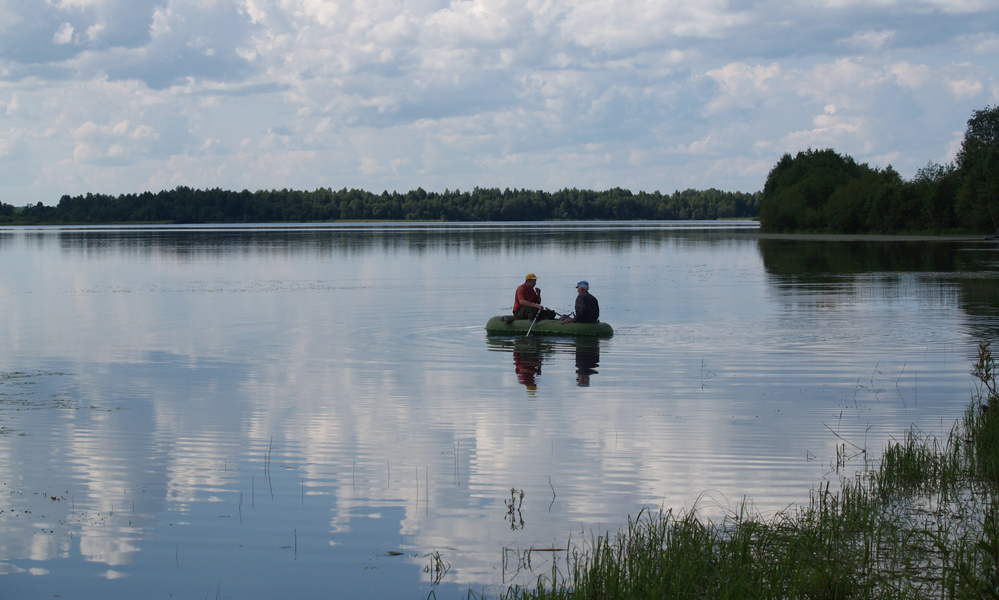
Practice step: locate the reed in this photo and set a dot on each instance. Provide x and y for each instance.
(921, 522)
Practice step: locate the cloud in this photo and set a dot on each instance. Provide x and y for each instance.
(40, 32)
(828, 131)
(131, 94)
(912, 76)
(868, 41)
(64, 35)
(117, 143)
(11, 144)
(966, 88)
(979, 43)
(742, 85)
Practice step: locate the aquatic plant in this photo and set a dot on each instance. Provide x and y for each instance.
(513, 509)
(921, 522)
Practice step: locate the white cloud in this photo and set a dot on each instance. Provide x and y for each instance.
(845, 82)
(160, 24)
(12, 107)
(979, 43)
(829, 131)
(615, 26)
(868, 41)
(742, 85)
(96, 31)
(79, 4)
(475, 92)
(478, 21)
(695, 147)
(966, 88)
(85, 154)
(956, 141)
(320, 11)
(64, 35)
(962, 7)
(948, 6)
(912, 76)
(9, 142)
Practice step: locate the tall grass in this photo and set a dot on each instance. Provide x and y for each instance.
(921, 523)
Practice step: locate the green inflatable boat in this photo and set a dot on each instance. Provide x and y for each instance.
(507, 324)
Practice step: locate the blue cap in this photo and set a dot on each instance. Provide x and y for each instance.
(584, 282)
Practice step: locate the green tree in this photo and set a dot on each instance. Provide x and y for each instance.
(797, 189)
(977, 203)
(936, 187)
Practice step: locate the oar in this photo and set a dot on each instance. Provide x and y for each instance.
(532, 323)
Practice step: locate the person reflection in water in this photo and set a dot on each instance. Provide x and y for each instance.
(527, 364)
(587, 360)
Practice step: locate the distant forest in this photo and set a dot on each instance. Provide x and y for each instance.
(814, 191)
(822, 191)
(184, 205)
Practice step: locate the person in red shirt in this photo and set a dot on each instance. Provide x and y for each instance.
(527, 301)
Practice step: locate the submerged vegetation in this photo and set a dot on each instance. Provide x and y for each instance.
(922, 523)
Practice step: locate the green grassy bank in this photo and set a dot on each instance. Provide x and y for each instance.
(923, 522)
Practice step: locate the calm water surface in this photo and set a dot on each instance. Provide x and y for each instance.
(317, 412)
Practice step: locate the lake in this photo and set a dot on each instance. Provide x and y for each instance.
(316, 411)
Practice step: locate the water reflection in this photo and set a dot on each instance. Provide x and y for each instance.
(531, 352)
(839, 271)
(349, 240)
(827, 260)
(527, 359)
(283, 412)
(587, 360)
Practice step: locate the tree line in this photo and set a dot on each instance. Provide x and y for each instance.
(816, 190)
(184, 205)
(823, 191)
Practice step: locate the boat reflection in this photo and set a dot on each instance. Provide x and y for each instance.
(531, 352)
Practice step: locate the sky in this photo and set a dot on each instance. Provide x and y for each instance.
(126, 96)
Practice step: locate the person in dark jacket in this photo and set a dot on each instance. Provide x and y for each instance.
(587, 307)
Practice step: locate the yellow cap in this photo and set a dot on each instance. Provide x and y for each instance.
(530, 276)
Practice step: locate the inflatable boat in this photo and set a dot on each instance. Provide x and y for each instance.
(508, 324)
